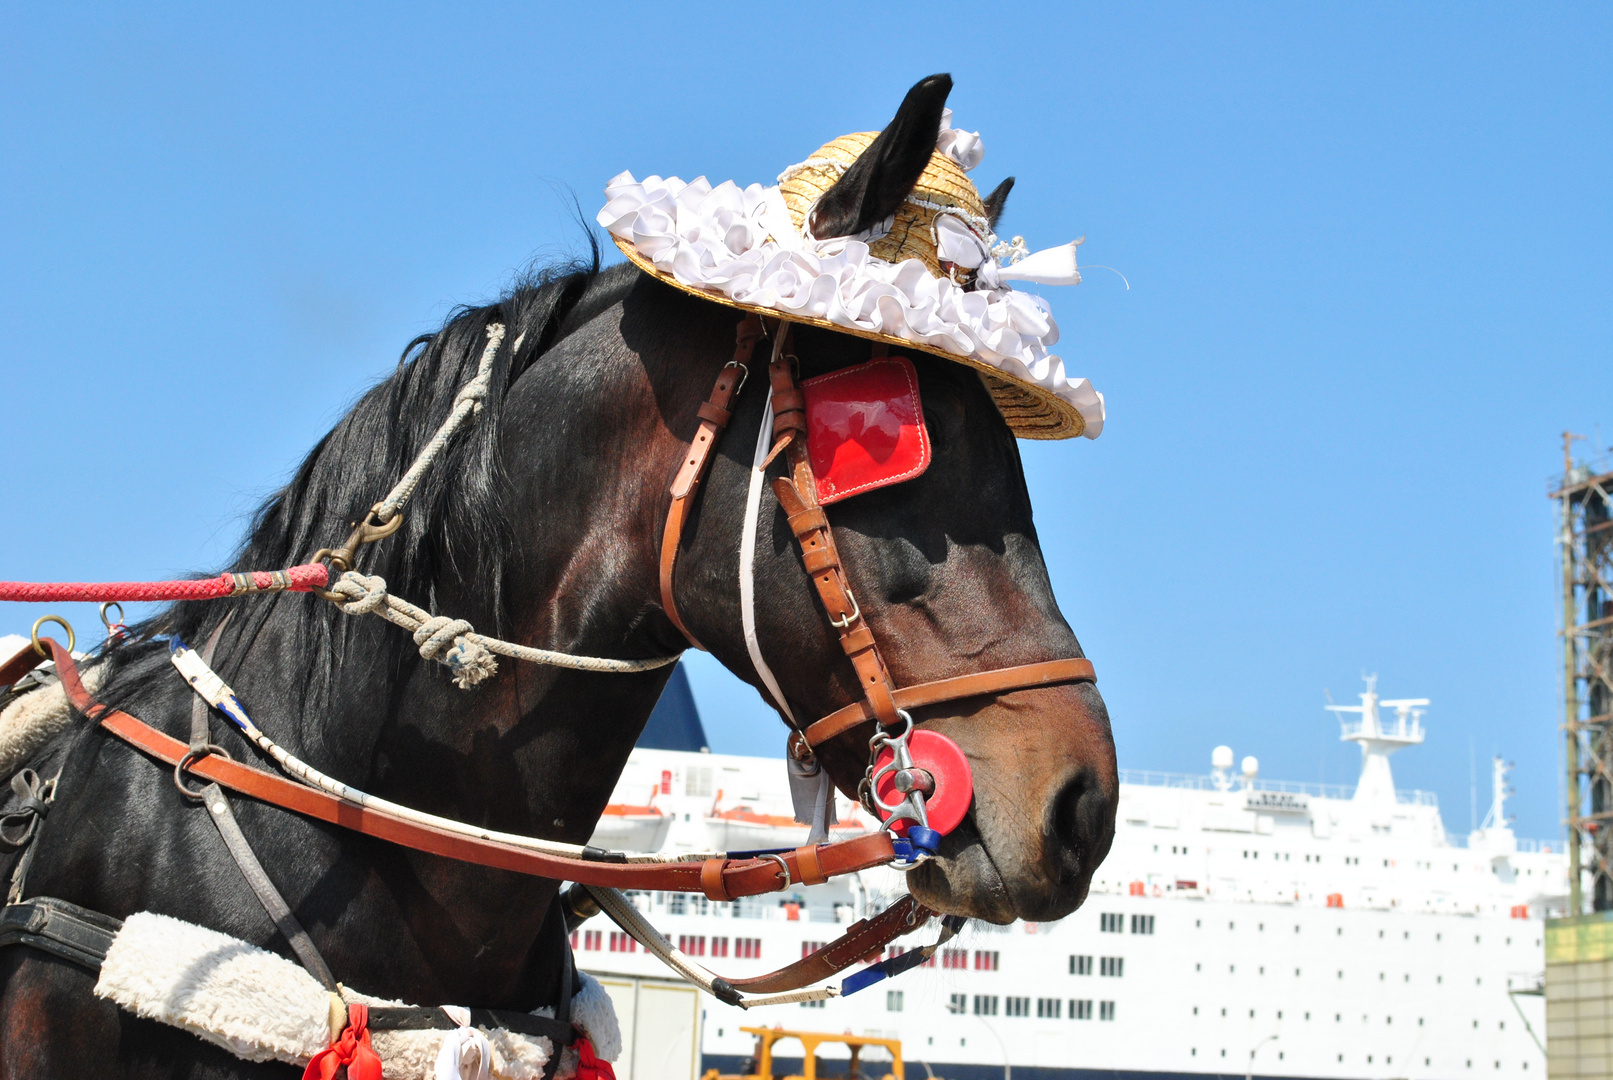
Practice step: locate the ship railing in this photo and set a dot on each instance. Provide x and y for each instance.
(1408, 729)
(1197, 782)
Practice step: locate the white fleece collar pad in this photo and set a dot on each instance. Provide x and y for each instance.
(264, 1007)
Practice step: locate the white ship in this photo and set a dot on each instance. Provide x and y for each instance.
(1239, 925)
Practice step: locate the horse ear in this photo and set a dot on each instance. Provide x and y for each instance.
(884, 174)
(995, 201)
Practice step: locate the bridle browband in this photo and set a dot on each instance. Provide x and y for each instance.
(881, 699)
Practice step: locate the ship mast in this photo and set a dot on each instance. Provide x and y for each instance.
(1379, 739)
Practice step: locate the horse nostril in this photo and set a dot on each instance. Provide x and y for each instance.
(1081, 826)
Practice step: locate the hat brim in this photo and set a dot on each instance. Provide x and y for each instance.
(1031, 411)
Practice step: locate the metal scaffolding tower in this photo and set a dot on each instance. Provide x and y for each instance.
(1585, 548)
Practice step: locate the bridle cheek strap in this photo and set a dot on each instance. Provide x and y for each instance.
(714, 416)
(797, 494)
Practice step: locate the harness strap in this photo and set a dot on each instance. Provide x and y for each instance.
(862, 941)
(64, 930)
(999, 681)
(714, 417)
(740, 876)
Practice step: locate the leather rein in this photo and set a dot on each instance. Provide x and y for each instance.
(796, 491)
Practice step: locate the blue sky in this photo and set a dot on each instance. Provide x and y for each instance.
(1367, 247)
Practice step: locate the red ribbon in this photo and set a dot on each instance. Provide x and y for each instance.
(590, 1067)
(353, 1050)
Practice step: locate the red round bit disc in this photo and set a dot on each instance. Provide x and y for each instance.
(954, 781)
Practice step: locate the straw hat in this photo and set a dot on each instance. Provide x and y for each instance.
(927, 278)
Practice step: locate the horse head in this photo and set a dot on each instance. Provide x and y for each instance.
(949, 576)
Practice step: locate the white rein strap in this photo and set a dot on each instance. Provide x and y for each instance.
(747, 547)
(811, 789)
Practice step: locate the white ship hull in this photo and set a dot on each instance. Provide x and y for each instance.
(1353, 930)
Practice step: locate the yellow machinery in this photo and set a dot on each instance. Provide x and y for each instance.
(762, 1060)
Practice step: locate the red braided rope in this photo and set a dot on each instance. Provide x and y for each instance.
(296, 579)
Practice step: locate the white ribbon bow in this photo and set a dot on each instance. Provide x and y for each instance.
(956, 243)
(465, 1053)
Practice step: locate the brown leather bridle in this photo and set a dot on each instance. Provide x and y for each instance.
(796, 491)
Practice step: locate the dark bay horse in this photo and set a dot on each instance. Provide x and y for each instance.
(541, 524)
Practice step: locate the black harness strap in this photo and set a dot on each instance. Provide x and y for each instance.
(218, 809)
(61, 929)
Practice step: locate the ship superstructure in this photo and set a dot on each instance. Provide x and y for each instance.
(1330, 931)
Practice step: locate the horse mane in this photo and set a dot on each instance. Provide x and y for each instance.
(453, 525)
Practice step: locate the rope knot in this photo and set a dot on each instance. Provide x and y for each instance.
(363, 594)
(474, 392)
(444, 640)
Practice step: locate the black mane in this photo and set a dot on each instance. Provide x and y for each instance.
(454, 522)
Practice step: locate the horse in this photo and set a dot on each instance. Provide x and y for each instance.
(541, 523)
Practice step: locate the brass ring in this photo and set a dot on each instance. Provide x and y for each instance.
(59, 621)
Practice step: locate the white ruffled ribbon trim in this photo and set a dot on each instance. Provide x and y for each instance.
(964, 147)
(742, 244)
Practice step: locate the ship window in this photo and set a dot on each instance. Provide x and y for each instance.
(893, 1001)
(1279, 1014)
(812, 1004)
(1017, 1006)
(1223, 1012)
(1198, 967)
(1080, 965)
(1439, 978)
(1142, 924)
(957, 1004)
(954, 958)
(1198, 924)
(1080, 1010)
(1113, 966)
(1307, 1016)
(1111, 923)
(1195, 1010)
(677, 903)
(985, 1004)
(1296, 973)
(985, 960)
(1049, 1008)
(1419, 1021)
(692, 944)
(810, 947)
(1106, 1010)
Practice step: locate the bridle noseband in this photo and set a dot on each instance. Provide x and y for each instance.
(881, 701)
